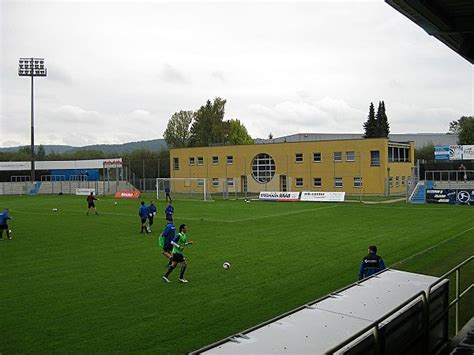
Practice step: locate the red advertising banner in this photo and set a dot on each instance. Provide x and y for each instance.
(127, 194)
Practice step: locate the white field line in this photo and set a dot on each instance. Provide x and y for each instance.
(185, 217)
(432, 247)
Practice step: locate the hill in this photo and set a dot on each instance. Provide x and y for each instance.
(154, 144)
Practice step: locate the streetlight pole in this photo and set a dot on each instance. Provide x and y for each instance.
(32, 67)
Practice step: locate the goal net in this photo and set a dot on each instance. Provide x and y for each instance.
(183, 188)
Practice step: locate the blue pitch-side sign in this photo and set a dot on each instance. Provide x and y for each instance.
(441, 152)
(451, 196)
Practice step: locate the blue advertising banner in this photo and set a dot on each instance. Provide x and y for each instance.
(450, 196)
(441, 152)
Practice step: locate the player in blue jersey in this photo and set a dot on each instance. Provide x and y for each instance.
(169, 211)
(143, 213)
(168, 195)
(4, 217)
(151, 214)
(371, 263)
(165, 240)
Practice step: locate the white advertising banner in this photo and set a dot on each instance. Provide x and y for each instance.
(84, 191)
(279, 196)
(323, 196)
(468, 152)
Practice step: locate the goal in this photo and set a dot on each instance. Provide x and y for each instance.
(183, 188)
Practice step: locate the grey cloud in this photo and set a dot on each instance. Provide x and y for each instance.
(172, 75)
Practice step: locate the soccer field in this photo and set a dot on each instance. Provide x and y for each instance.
(89, 284)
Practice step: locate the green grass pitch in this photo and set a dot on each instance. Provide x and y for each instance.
(76, 283)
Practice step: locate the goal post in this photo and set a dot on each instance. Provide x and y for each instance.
(183, 188)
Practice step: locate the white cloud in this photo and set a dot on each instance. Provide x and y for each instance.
(117, 71)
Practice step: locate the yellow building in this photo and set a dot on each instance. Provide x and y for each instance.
(367, 166)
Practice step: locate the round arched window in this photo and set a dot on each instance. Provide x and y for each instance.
(263, 168)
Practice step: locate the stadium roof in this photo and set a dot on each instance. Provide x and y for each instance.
(450, 21)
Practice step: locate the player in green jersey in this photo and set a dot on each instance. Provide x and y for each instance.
(179, 242)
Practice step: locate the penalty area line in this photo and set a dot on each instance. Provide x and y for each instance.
(431, 247)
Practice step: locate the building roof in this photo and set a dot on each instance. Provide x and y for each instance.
(450, 21)
(420, 139)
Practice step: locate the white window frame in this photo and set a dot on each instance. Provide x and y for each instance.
(358, 182)
(192, 160)
(353, 155)
(320, 157)
(334, 156)
(230, 160)
(175, 163)
(215, 182)
(299, 156)
(230, 182)
(336, 180)
(215, 160)
(200, 182)
(200, 161)
(297, 180)
(320, 182)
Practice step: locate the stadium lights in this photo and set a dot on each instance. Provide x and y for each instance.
(32, 67)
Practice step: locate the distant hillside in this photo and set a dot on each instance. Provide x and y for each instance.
(155, 144)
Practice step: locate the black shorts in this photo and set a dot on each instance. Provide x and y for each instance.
(178, 258)
(150, 219)
(91, 205)
(3, 226)
(143, 220)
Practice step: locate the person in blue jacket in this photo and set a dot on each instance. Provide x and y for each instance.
(371, 263)
(4, 217)
(169, 212)
(143, 213)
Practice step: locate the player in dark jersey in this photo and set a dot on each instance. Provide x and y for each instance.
(151, 214)
(143, 214)
(169, 211)
(4, 217)
(371, 263)
(179, 242)
(168, 194)
(90, 203)
(165, 240)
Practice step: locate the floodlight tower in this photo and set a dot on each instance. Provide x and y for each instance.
(32, 67)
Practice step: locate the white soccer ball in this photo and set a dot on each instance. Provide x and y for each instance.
(115, 202)
(226, 265)
(54, 210)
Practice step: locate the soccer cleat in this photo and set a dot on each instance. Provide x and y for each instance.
(166, 279)
(183, 280)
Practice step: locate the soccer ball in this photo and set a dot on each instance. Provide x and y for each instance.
(54, 210)
(226, 265)
(115, 202)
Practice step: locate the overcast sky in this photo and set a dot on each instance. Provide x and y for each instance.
(117, 71)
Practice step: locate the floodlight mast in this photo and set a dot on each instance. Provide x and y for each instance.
(32, 67)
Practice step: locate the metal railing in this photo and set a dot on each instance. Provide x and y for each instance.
(427, 321)
(454, 176)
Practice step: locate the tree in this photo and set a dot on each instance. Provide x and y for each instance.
(41, 153)
(178, 133)
(466, 132)
(425, 153)
(455, 126)
(238, 134)
(383, 128)
(209, 127)
(370, 126)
